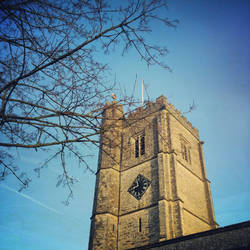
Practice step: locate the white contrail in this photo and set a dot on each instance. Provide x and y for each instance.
(31, 199)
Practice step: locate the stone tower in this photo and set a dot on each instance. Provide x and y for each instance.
(151, 183)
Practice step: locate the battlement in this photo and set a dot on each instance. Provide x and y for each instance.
(160, 104)
(113, 111)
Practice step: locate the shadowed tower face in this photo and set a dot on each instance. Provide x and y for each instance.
(151, 183)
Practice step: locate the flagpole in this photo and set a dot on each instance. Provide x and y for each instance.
(142, 97)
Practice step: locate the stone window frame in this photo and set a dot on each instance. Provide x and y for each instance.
(185, 149)
(139, 144)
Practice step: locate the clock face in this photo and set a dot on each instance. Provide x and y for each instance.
(139, 186)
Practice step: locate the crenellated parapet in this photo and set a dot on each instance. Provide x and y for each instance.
(160, 104)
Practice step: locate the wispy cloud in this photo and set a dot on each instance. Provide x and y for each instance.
(31, 199)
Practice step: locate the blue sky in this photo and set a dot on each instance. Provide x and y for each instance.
(209, 55)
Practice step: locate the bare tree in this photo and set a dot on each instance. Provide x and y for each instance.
(52, 87)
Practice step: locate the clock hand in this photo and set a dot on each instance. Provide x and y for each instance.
(137, 184)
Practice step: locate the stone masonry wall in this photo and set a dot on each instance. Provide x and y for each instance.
(128, 203)
(190, 179)
(104, 236)
(129, 234)
(191, 191)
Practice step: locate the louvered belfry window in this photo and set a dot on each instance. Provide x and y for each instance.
(140, 145)
(185, 151)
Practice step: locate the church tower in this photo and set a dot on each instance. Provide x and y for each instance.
(151, 183)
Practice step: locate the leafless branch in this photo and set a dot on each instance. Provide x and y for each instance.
(52, 86)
